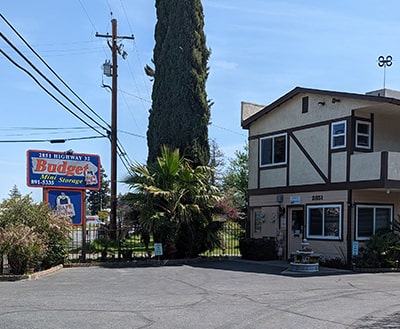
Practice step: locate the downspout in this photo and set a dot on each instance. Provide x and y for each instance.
(349, 225)
(350, 151)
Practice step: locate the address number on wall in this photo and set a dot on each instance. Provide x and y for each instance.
(317, 197)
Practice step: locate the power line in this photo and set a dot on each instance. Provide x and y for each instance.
(122, 154)
(140, 64)
(48, 92)
(230, 130)
(91, 22)
(48, 66)
(44, 128)
(42, 75)
(53, 141)
(133, 95)
(132, 134)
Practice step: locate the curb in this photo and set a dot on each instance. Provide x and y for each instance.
(37, 275)
(145, 263)
(33, 276)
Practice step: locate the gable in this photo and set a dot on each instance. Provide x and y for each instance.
(321, 104)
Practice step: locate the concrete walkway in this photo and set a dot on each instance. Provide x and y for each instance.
(218, 294)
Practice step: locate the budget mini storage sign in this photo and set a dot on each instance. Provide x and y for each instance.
(63, 170)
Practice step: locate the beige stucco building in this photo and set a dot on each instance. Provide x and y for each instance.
(325, 166)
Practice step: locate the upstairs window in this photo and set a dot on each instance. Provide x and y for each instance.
(304, 105)
(363, 134)
(338, 135)
(273, 150)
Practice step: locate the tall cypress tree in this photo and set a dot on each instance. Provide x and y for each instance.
(180, 111)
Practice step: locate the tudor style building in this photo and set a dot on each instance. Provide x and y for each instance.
(325, 166)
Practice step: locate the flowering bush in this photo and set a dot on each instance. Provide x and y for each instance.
(31, 235)
(23, 246)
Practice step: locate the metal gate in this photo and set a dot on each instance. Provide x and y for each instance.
(98, 247)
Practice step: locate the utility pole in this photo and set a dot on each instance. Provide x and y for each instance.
(115, 50)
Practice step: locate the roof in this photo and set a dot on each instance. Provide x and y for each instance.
(300, 90)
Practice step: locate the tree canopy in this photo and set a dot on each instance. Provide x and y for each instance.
(99, 199)
(180, 111)
(177, 204)
(236, 178)
(31, 234)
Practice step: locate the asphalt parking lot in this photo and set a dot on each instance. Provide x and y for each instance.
(218, 294)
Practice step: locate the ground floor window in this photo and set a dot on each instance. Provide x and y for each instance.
(258, 220)
(324, 221)
(370, 219)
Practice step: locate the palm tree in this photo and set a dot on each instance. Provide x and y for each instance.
(177, 204)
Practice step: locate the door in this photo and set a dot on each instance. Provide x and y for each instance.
(295, 229)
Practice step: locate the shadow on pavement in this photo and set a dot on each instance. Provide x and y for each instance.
(276, 267)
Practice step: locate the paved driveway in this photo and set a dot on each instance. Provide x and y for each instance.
(219, 294)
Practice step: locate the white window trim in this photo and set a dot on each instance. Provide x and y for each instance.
(361, 134)
(273, 151)
(363, 238)
(325, 237)
(344, 134)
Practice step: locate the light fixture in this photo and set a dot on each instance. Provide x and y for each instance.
(321, 103)
(335, 100)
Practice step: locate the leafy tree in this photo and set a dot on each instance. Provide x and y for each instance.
(180, 111)
(235, 181)
(100, 199)
(217, 162)
(31, 234)
(14, 192)
(177, 204)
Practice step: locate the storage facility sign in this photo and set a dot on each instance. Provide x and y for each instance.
(63, 170)
(68, 203)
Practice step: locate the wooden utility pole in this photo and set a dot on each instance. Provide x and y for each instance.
(115, 50)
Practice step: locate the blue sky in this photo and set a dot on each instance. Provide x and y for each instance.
(260, 50)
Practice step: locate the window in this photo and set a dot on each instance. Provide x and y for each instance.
(304, 105)
(370, 219)
(338, 137)
(324, 222)
(258, 220)
(363, 134)
(273, 150)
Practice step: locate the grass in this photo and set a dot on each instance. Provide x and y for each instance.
(230, 236)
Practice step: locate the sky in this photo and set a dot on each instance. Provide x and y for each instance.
(260, 50)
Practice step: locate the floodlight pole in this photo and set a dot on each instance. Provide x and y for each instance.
(113, 136)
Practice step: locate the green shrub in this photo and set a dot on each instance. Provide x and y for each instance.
(31, 234)
(103, 245)
(335, 262)
(23, 246)
(257, 249)
(382, 250)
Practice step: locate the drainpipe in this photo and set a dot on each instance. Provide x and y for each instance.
(349, 225)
